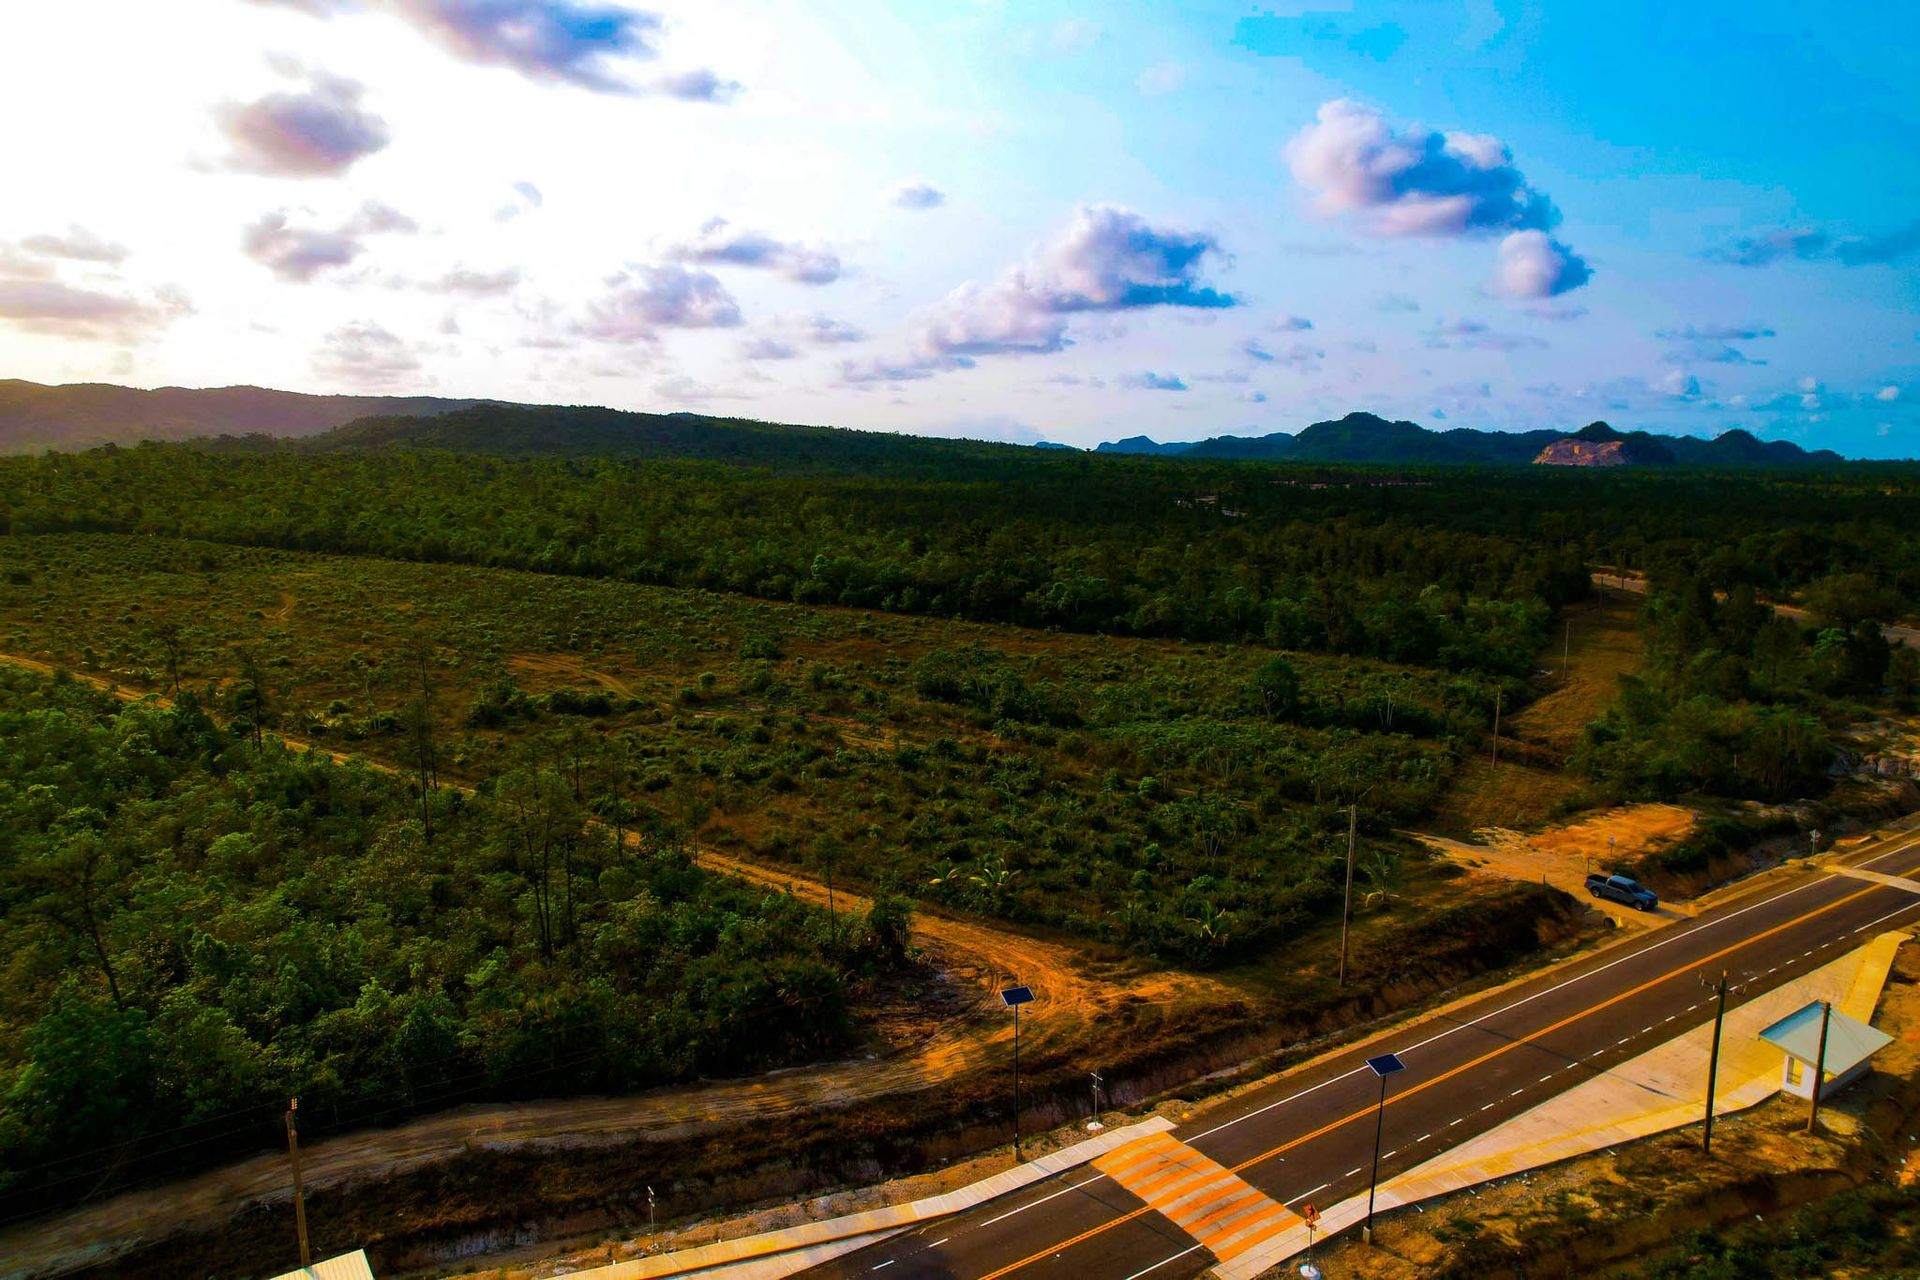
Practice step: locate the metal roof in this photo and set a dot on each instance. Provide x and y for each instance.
(1850, 1041)
(348, 1266)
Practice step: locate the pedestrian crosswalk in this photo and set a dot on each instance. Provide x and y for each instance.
(1208, 1201)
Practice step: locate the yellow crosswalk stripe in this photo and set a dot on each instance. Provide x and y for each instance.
(1208, 1201)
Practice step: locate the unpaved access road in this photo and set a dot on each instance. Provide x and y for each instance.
(1079, 1001)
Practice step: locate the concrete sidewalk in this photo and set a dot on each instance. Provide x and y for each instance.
(1660, 1090)
(774, 1254)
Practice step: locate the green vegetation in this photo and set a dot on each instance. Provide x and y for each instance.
(1731, 697)
(195, 927)
(1177, 799)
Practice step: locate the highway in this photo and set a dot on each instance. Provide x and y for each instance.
(1310, 1137)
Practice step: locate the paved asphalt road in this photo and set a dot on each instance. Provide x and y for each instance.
(1310, 1138)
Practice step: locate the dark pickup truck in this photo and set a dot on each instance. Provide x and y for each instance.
(1623, 889)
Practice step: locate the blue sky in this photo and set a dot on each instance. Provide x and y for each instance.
(1007, 220)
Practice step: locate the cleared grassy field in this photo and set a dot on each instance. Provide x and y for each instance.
(1130, 791)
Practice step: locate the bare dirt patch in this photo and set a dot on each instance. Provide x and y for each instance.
(545, 672)
(1563, 855)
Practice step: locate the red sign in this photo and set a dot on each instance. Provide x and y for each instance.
(1311, 1214)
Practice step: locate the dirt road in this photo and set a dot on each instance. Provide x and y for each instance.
(1077, 1002)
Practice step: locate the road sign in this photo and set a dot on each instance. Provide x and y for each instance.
(1013, 997)
(1386, 1064)
(1311, 1214)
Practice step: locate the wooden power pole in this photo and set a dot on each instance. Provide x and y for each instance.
(1819, 1063)
(299, 1195)
(1346, 903)
(1713, 1062)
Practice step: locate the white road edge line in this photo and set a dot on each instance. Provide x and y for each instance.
(1164, 1261)
(1042, 1200)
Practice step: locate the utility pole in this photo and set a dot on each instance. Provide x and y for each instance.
(1016, 1082)
(1820, 1063)
(1346, 903)
(299, 1194)
(652, 1221)
(1496, 726)
(1096, 1097)
(1713, 1062)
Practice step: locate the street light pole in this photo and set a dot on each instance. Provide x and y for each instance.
(1383, 1066)
(1013, 998)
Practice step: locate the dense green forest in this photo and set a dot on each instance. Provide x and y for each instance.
(196, 924)
(1452, 567)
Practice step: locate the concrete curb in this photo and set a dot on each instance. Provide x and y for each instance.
(774, 1254)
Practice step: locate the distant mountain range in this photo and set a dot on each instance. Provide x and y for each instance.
(1366, 437)
(84, 414)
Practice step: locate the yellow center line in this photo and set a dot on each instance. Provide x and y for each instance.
(1483, 1059)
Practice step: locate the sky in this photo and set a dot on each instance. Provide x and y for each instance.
(986, 218)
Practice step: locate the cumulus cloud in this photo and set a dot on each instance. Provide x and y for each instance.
(1292, 324)
(298, 253)
(918, 195)
(1811, 244)
(320, 131)
(1887, 394)
(78, 244)
(366, 356)
(64, 310)
(1151, 381)
(1534, 265)
(721, 244)
(572, 42)
(1416, 182)
(1108, 260)
(1679, 384)
(640, 303)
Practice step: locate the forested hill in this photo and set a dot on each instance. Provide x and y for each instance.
(81, 415)
(1366, 437)
(587, 432)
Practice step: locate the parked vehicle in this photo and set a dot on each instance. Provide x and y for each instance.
(1623, 889)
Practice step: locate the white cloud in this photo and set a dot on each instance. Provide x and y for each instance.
(918, 195)
(1534, 265)
(721, 244)
(1888, 393)
(318, 132)
(1418, 182)
(640, 303)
